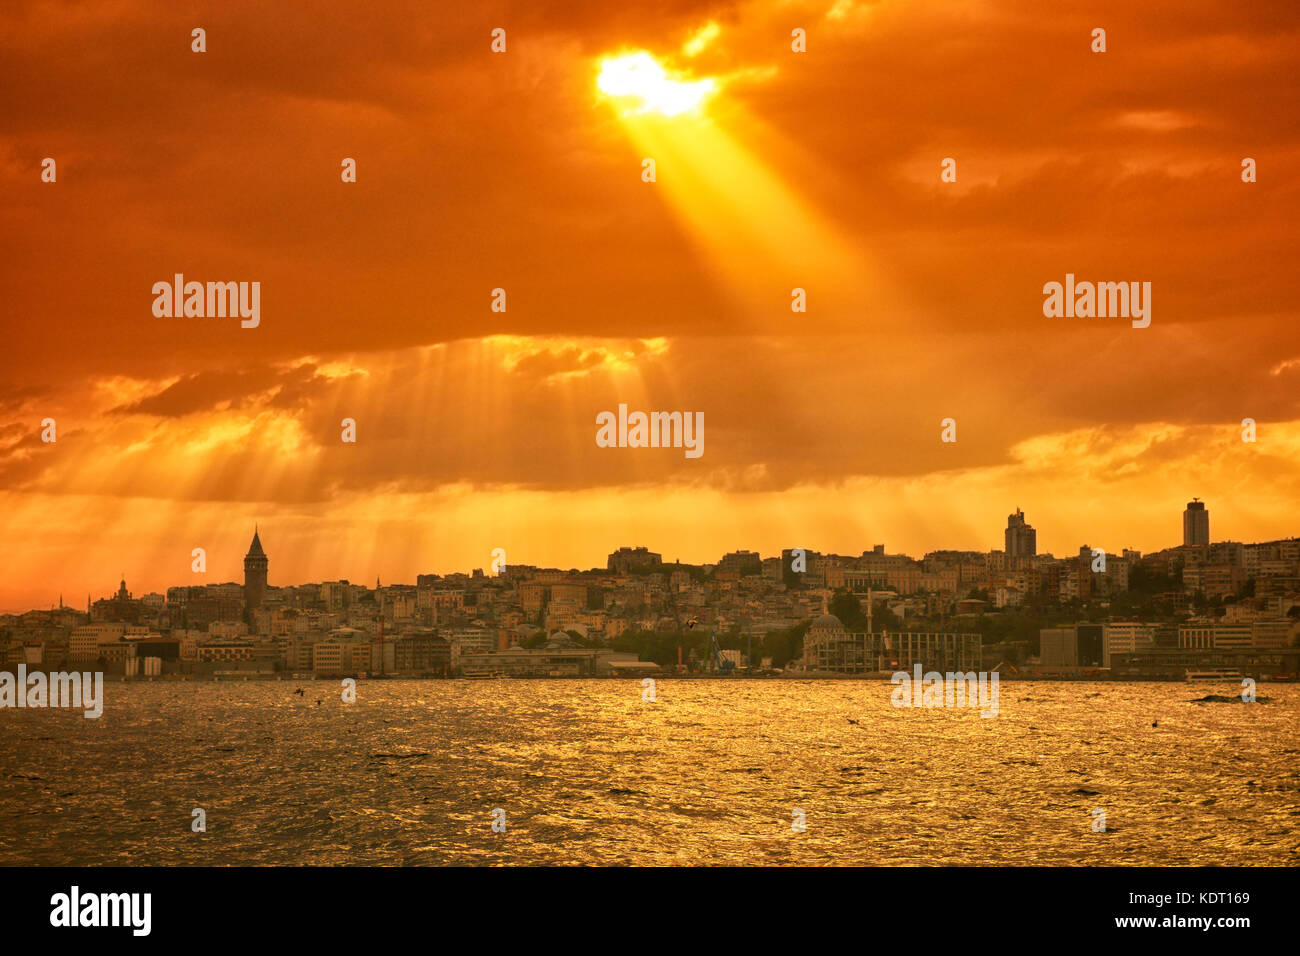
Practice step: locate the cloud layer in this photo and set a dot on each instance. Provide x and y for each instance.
(479, 171)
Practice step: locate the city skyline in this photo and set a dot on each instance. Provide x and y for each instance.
(255, 561)
(1161, 614)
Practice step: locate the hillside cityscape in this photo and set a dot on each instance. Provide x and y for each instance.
(1227, 607)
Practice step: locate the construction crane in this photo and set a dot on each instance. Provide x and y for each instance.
(721, 665)
(724, 666)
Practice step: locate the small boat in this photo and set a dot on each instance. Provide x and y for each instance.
(479, 674)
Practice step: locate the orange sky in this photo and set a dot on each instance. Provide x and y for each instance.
(478, 170)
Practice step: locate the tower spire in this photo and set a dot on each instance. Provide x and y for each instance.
(255, 568)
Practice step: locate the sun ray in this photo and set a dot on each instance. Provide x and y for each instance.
(761, 237)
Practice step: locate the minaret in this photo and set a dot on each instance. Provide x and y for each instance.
(255, 565)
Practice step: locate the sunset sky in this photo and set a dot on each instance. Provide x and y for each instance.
(477, 170)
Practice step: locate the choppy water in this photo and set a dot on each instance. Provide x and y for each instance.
(711, 773)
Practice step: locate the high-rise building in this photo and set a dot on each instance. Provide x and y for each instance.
(1021, 539)
(1196, 523)
(255, 565)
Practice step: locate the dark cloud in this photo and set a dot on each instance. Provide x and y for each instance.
(478, 172)
(220, 390)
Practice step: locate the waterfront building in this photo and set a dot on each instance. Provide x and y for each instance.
(828, 648)
(1080, 645)
(831, 649)
(933, 651)
(1126, 637)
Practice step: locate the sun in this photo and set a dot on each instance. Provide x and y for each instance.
(639, 76)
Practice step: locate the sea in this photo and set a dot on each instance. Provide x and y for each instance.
(685, 772)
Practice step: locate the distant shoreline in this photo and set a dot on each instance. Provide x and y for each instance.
(866, 678)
